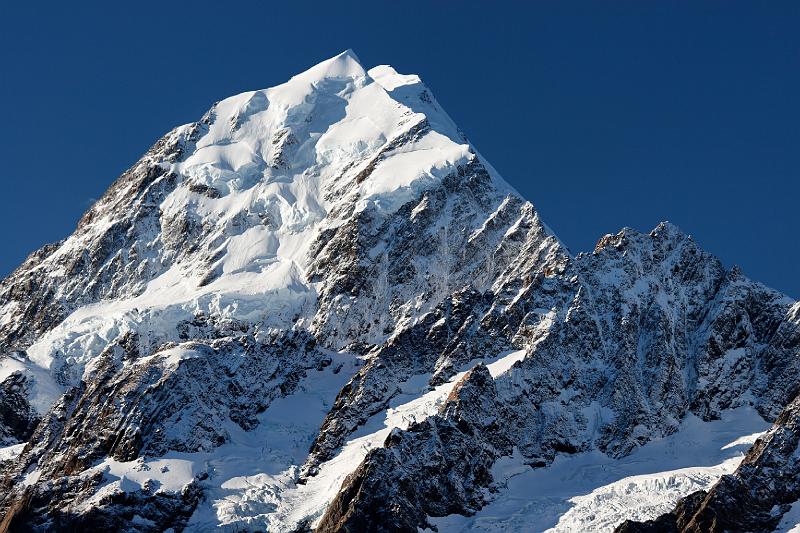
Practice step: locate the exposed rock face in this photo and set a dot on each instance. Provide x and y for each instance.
(436, 467)
(140, 510)
(339, 232)
(17, 418)
(467, 324)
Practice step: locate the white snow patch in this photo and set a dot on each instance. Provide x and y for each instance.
(504, 364)
(8, 453)
(168, 473)
(31, 476)
(390, 80)
(790, 521)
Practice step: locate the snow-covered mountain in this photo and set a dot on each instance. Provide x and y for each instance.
(318, 307)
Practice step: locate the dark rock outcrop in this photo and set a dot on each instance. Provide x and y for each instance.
(17, 418)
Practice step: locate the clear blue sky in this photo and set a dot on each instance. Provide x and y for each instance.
(602, 116)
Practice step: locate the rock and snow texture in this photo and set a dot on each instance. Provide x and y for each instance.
(319, 308)
(593, 492)
(760, 495)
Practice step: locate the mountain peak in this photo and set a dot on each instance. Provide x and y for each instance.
(323, 262)
(665, 232)
(341, 66)
(667, 229)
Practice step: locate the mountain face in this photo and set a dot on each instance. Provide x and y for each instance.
(319, 308)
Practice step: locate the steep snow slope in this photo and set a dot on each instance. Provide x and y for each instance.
(318, 306)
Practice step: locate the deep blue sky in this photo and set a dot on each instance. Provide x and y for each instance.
(603, 117)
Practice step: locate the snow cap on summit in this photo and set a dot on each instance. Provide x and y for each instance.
(341, 66)
(390, 79)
